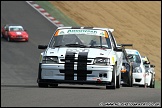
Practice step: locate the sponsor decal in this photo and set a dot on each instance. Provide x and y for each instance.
(81, 31)
(78, 50)
(113, 60)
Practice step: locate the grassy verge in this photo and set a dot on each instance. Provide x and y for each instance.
(54, 12)
(157, 84)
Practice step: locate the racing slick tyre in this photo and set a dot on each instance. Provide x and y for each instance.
(44, 85)
(118, 79)
(53, 85)
(152, 83)
(2, 35)
(130, 79)
(113, 83)
(8, 39)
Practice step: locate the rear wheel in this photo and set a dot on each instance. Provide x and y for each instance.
(44, 85)
(53, 85)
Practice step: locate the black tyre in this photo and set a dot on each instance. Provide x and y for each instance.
(130, 79)
(2, 35)
(118, 79)
(53, 85)
(113, 83)
(152, 83)
(43, 85)
(8, 39)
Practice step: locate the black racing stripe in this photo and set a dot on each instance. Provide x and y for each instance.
(82, 66)
(69, 65)
(39, 72)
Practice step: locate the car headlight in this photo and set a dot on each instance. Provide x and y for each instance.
(50, 59)
(102, 61)
(137, 70)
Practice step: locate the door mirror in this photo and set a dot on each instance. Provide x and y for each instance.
(42, 46)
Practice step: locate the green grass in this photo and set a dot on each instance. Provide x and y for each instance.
(56, 13)
(66, 21)
(157, 84)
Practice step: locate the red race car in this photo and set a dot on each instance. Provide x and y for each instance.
(14, 32)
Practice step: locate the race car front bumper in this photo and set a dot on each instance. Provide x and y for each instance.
(19, 39)
(56, 73)
(141, 79)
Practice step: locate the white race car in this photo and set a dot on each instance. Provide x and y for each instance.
(140, 76)
(81, 55)
(150, 72)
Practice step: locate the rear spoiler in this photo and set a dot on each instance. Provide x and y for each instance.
(123, 48)
(111, 29)
(123, 45)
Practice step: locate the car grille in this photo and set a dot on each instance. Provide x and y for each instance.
(19, 36)
(137, 80)
(89, 61)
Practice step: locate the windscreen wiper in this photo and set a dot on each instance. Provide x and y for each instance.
(76, 45)
(99, 46)
(58, 45)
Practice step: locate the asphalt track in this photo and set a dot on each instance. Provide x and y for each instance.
(19, 66)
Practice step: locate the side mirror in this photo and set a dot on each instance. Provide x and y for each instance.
(118, 49)
(25, 30)
(152, 66)
(42, 46)
(146, 62)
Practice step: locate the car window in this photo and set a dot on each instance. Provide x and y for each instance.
(134, 58)
(15, 28)
(82, 39)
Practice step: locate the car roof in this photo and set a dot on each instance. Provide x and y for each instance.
(13, 24)
(99, 28)
(132, 51)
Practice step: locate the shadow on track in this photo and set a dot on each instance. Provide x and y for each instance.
(22, 86)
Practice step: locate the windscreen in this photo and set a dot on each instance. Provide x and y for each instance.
(16, 28)
(86, 38)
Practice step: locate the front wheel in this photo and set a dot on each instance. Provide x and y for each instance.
(113, 82)
(130, 80)
(8, 39)
(118, 79)
(2, 35)
(152, 83)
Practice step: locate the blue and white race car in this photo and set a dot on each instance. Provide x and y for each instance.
(141, 76)
(81, 55)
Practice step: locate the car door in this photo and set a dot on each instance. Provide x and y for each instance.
(118, 54)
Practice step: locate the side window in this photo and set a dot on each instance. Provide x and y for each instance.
(5, 28)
